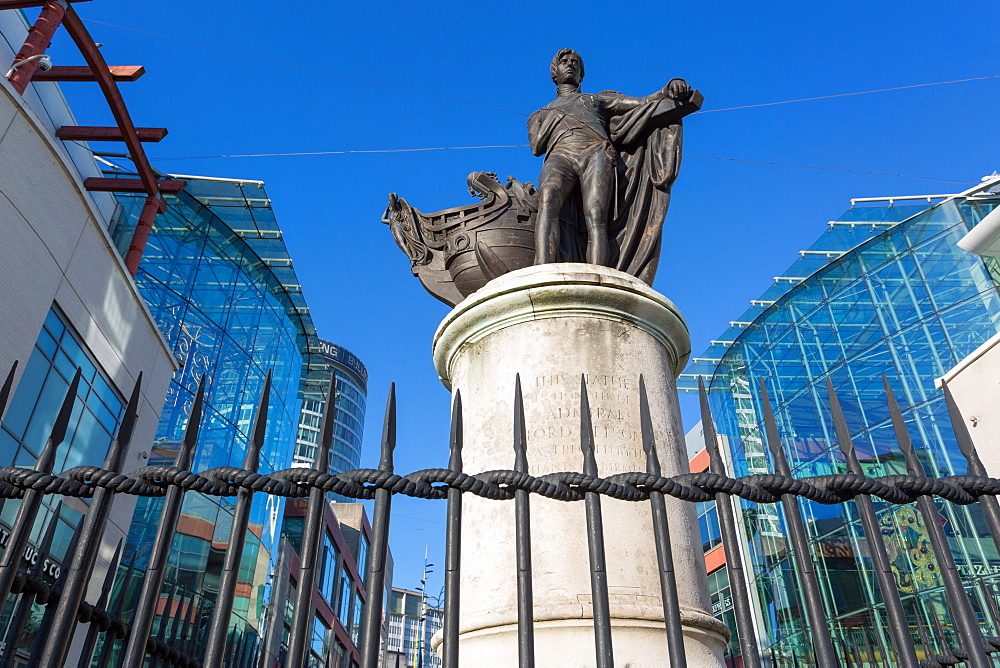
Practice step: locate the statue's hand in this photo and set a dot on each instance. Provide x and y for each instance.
(676, 89)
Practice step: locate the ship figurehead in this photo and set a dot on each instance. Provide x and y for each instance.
(456, 251)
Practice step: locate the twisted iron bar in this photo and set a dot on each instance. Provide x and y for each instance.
(49, 594)
(498, 485)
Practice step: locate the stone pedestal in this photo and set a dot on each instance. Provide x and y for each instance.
(550, 324)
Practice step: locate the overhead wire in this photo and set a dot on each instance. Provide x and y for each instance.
(510, 111)
(860, 92)
(496, 146)
(486, 106)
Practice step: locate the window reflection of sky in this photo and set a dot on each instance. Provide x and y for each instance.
(233, 316)
(906, 303)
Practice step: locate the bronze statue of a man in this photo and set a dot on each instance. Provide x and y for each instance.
(610, 163)
(578, 134)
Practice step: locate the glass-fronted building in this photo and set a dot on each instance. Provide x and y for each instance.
(349, 414)
(884, 290)
(339, 593)
(218, 280)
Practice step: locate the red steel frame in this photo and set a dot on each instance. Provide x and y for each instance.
(39, 37)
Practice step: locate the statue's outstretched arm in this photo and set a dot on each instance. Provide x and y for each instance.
(616, 103)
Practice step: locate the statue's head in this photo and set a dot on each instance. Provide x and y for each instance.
(567, 67)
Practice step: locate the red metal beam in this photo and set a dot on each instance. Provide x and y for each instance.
(95, 60)
(113, 133)
(140, 236)
(24, 4)
(97, 184)
(119, 73)
(39, 37)
(147, 178)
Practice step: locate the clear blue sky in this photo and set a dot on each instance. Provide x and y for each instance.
(731, 226)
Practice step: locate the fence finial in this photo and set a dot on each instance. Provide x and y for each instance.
(646, 427)
(58, 434)
(522, 540)
(842, 431)
(453, 543)
(781, 465)
(186, 453)
(120, 443)
(586, 430)
(388, 432)
(913, 465)
(456, 438)
(962, 435)
(252, 460)
(371, 621)
(520, 430)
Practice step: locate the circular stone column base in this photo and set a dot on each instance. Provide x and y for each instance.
(551, 325)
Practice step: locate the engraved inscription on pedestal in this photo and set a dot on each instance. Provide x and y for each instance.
(554, 440)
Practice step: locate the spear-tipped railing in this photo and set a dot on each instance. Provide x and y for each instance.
(177, 637)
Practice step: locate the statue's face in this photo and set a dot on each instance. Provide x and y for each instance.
(569, 69)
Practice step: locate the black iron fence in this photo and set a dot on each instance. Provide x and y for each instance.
(194, 631)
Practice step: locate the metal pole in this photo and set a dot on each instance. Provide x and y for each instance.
(946, 648)
(108, 647)
(661, 534)
(453, 544)
(924, 640)
(312, 539)
(522, 540)
(371, 621)
(876, 631)
(188, 623)
(81, 565)
(730, 543)
(42, 632)
(32, 499)
(87, 653)
(39, 38)
(169, 621)
(869, 652)
(595, 540)
(152, 582)
(143, 228)
(275, 625)
(958, 600)
(899, 631)
(215, 644)
(812, 597)
(23, 610)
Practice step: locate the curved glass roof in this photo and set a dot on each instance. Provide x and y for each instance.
(863, 222)
(241, 207)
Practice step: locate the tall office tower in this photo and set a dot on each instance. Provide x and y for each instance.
(219, 282)
(884, 290)
(349, 415)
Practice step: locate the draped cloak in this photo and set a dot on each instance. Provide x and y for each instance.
(647, 139)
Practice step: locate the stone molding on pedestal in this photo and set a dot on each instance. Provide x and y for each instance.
(560, 290)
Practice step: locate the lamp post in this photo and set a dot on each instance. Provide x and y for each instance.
(423, 610)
